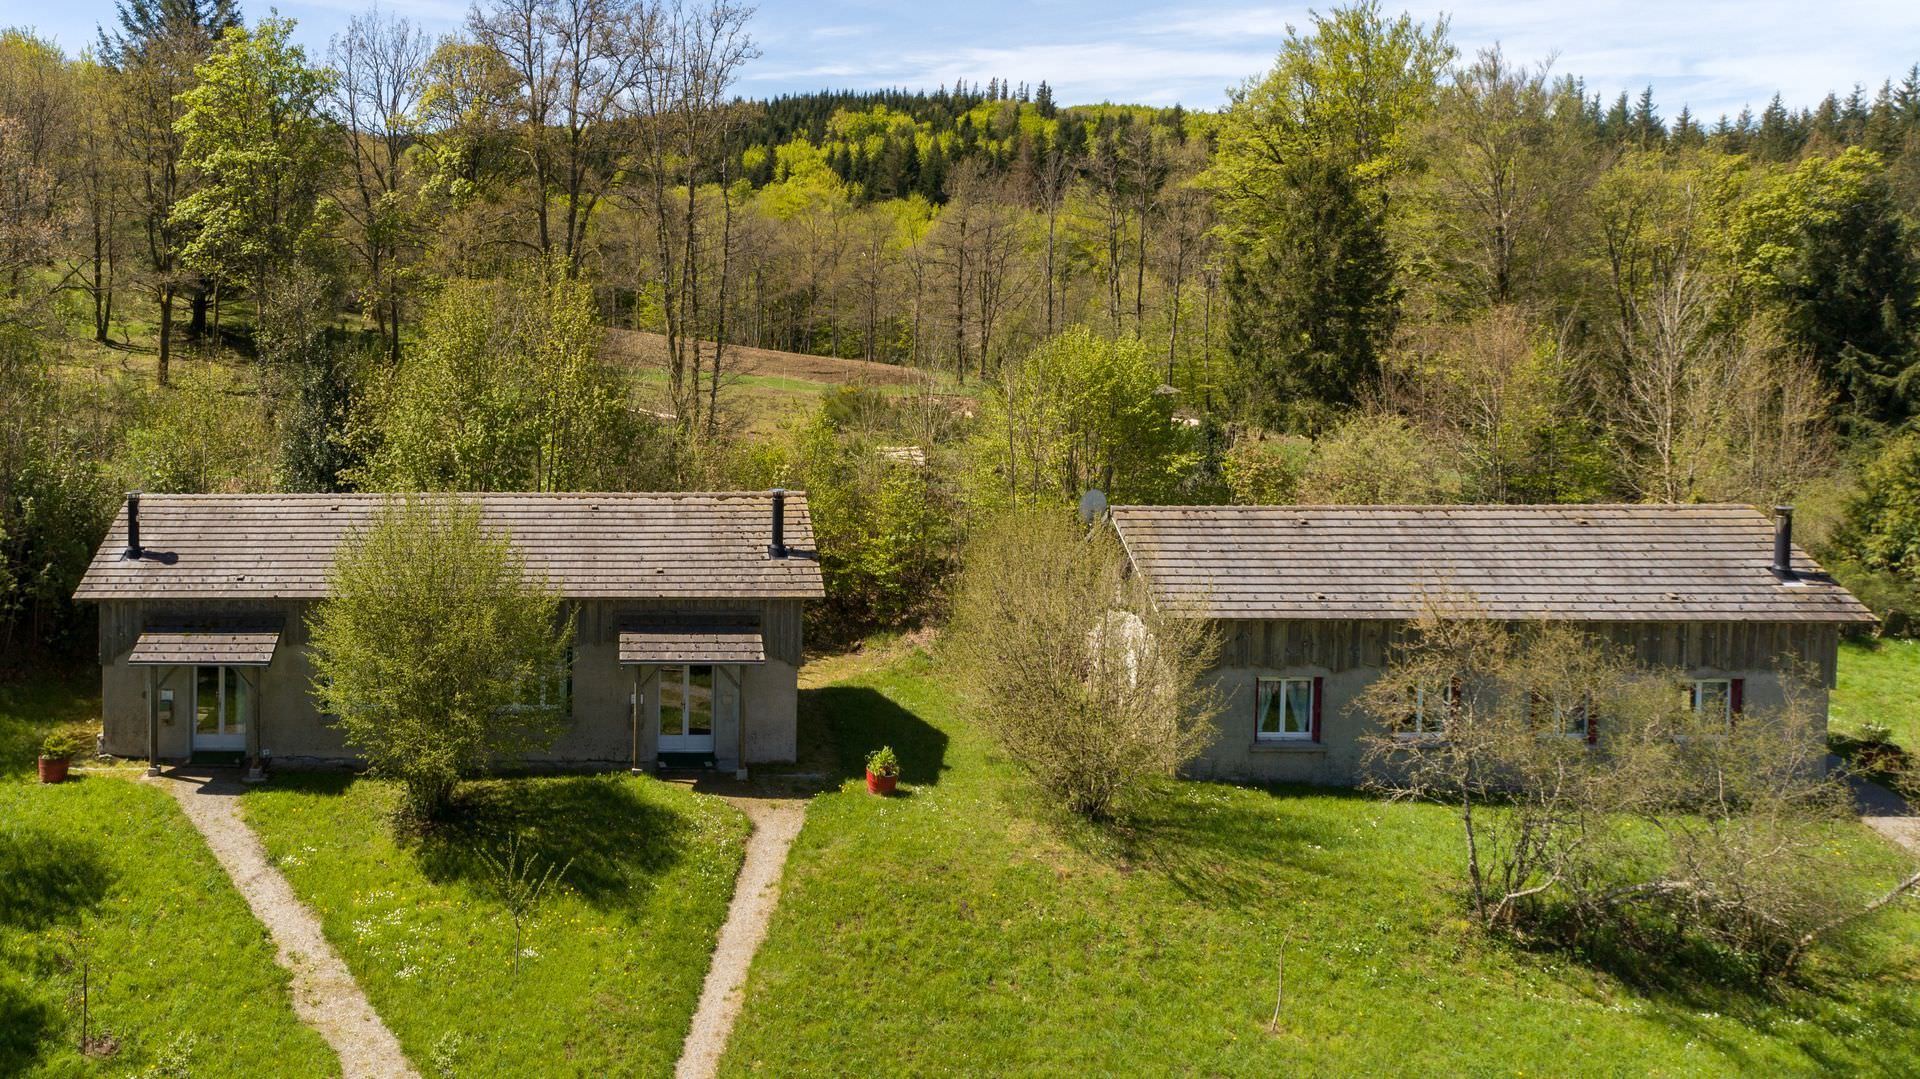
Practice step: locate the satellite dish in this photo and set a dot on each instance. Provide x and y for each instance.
(1092, 505)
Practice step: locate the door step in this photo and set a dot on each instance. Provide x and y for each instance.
(218, 758)
(687, 762)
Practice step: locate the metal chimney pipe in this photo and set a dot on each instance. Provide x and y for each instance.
(133, 525)
(1783, 543)
(778, 548)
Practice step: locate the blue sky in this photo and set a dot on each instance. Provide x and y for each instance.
(1713, 55)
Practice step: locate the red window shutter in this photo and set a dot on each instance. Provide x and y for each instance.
(1593, 723)
(1316, 708)
(1736, 692)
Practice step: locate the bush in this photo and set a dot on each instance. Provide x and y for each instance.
(1267, 471)
(1878, 542)
(883, 762)
(1379, 460)
(1679, 833)
(1085, 683)
(204, 433)
(67, 743)
(884, 524)
(1875, 734)
(436, 652)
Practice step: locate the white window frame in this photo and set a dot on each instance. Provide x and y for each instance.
(1421, 731)
(546, 685)
(1284, 687)
(1696, 697)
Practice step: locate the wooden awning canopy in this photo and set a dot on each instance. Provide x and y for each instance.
(652, 644)
(231, 646)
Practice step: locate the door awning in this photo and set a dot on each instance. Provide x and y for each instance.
(231, 646)
(668, 643)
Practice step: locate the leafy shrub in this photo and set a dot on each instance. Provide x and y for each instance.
(1379, 460)
(437, 652)
(883, 762)
(67, 743)
(1875, 734)
(1089, 686)
(1878, 542)
(882, 521)
(1267, 471)
(205, 433)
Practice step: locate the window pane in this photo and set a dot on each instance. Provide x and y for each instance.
(1299, 706)
(700, 700)
(673, 695)
(1269, 690)
(239, 702)
(206, 700)
(1710, 698)
(1576, 718)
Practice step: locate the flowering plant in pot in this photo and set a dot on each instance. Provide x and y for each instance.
(57, 749)
(883, 771)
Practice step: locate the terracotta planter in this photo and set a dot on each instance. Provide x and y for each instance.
(881, 785)
(53, 769)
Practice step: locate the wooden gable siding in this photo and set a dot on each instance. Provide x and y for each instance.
(1346, 645)
(123, 620)
(600, 620)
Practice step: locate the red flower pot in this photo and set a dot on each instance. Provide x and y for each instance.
(882, 785)
(53, 769)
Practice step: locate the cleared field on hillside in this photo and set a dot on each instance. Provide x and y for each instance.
(762, 388)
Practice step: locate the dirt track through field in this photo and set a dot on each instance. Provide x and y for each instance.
(776, 823)
(325, 996)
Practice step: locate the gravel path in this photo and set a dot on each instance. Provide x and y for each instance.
(776, 822)
(325, 996)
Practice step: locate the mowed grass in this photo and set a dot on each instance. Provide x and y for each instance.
(610, 969)
(1879, 682)
(963, 929)
(181, 972)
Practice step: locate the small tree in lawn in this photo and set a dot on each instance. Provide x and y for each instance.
(522, 885)
(436, 650)
(1085, 682)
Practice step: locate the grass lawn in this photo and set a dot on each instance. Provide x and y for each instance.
(610, 971)
(961, 929)
(1879, 683)
(181, 969)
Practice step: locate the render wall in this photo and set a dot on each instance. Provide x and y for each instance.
(603, 704)
(1349, 656)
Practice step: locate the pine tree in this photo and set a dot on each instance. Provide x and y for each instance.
(1648, 131)
(1778, 138)
(1311, 308)
(1043, 100)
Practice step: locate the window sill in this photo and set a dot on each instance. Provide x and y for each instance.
(1278, 746)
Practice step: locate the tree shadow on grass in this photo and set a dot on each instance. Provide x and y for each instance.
(46, 879)
(840, 725)
(614, 843)
(1828, 1016)
(27, 1026)
(1223, 845)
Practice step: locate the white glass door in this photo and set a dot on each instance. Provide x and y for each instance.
(221, 700)
(686, 709)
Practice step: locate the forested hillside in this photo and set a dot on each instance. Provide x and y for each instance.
(1386, 271)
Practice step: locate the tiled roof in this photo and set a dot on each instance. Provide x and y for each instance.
(1630, 563)
(682, 643)
(231, 645)
(590, 546)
